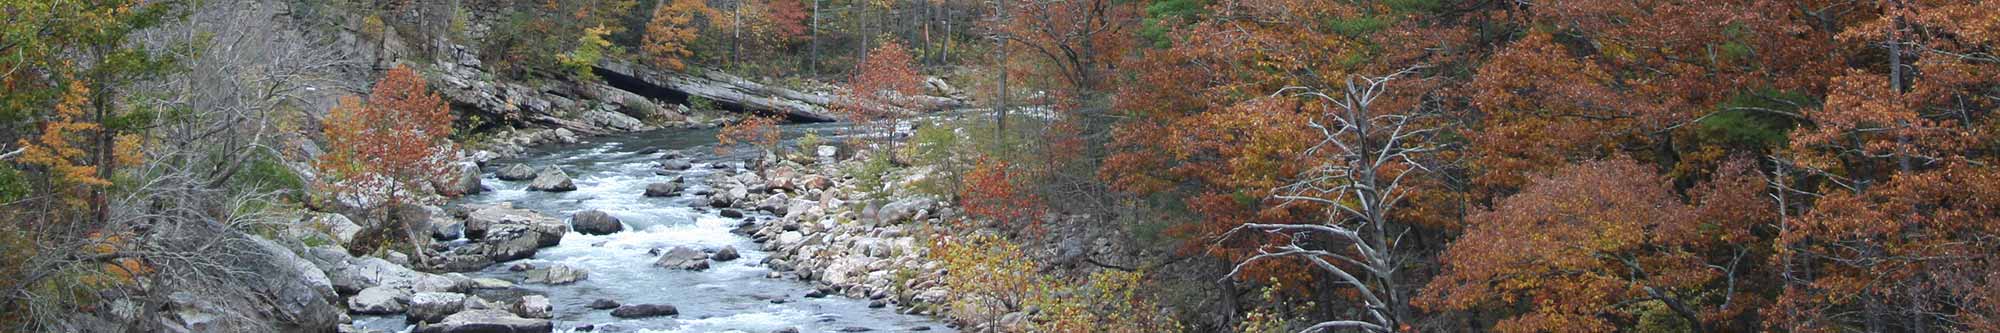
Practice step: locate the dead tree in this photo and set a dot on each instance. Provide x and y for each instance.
(1364, 155)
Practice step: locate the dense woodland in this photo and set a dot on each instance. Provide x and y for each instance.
(1366, 166)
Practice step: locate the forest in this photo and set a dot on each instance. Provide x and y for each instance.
(1007, 165)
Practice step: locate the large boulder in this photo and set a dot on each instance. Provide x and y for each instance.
(379, 300)
(487, 320)
(644, 310)
(355, 274)
(433, 307)
(481, 218)
(507, 242)
(552, 179)
(515, 172)
(682, 257)
(463, 180)
(676, 164)
(595, 222)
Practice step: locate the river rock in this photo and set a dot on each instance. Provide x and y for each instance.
(481, 218)
(379, 300)
(489, 320)
(731, 213)
(644, 310)
(491, 283)
(535, 306)
(507, 242)
(433, 307)
(656, 190)
(557, 274)
(515, 172)
(595, 222)
(676, 164)
(603, 304)
(352, 275)
(552, 179)
(727, 253)
(682, 257)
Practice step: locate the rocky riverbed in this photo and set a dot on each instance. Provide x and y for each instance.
(530, 256)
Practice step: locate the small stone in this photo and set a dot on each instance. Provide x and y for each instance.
(732, 213)
(727, 253)
(603, 304)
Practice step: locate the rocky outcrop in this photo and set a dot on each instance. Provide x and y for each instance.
(595, 222)
(502, 233)
(534, 306)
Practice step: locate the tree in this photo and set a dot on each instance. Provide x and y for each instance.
(381, 152)
(759, 131)
(879, 91)
(1591, 246)
(672, 31)
(1080, 39)
(1369, 151)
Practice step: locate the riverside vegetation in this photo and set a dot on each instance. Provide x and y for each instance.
(999, 165)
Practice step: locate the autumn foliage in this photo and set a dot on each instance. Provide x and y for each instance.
(877, 93)
(671, 33)
(384, 151)
(761, 132)
(992, 190)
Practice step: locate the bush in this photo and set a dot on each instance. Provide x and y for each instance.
(993, 277)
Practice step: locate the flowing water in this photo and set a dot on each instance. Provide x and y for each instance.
(610, 174)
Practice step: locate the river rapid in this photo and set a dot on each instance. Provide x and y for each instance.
(611, 173)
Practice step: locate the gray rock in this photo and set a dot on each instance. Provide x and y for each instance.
(535, 306)
(557, 274)
(662, 189)
(342, 229)
(379, 300)
(727, 253)
(433, 307)
(481, 218)
(516, 172)
(682, 257)
(552, 179)
(905, 209)
(676, 164)
(603, 304)
(731, 213)
(595, 222)
(465, 180)
(489, 320)
(644, 310)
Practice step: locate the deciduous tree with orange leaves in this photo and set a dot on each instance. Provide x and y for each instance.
(671, 34)
(878, 94)
(383, 151)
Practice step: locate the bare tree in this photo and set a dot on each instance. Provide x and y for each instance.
(1368, 153)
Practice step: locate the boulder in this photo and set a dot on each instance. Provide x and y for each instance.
(379, 300)
(656, 190)
(731, 213)
(515, 172)
(465, 180)
(433, 307)
(488, 320)
(906, 209)
(508, 242)
(603, 304)
(355, 274)
(481, 218)
(552, 179)
(595, 222)
(682, 257)
(676, 164)
(557, 274)
(644, 310)
(535, 306)
(337, 226)
(727, 253)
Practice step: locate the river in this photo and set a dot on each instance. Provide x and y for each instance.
(610, 173)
